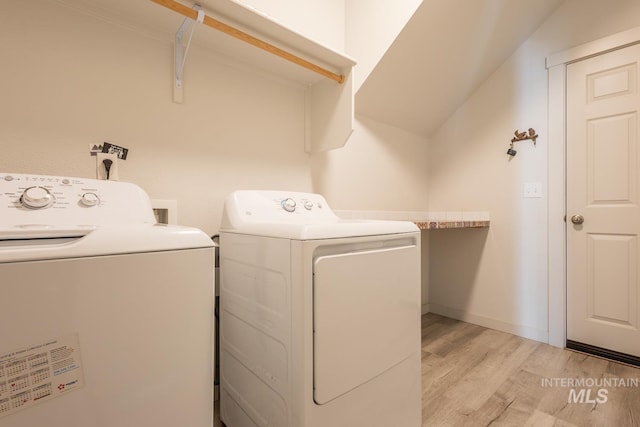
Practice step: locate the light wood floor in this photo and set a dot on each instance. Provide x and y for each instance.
(474, 377)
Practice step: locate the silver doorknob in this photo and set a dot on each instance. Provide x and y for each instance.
(577, 219)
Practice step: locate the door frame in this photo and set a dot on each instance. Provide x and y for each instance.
(556, 65)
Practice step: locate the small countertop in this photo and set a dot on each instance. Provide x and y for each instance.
(444, 224)
(425, 220)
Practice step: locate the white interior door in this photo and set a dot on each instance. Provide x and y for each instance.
(603, 217)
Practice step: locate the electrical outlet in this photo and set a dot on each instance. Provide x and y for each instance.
(101, 170)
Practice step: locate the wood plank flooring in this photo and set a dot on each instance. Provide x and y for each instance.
(475, 377)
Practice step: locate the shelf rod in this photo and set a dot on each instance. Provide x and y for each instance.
(241, 35)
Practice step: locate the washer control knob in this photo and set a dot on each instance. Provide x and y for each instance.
(89, 199)
(36, 198)
(289, 205)
(308, 205)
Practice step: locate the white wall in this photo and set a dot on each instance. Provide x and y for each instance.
(381, 168)
(498, 277)
(71, 80)
(371, 27)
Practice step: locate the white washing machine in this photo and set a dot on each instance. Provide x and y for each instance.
(320, 317)
(106, 318)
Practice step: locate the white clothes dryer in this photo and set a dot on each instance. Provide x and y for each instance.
(320, 317)
(107, 318)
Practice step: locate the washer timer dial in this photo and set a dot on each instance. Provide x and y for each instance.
(89, 199)
(289, 204)
(36, 198)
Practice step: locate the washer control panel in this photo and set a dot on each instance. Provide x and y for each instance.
(290, 204)
(300, 202)
(52, 200)
(308, 205)
(278, 207)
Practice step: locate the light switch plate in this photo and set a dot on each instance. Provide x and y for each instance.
(532, 190)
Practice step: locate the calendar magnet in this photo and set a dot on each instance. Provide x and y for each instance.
(40, 372)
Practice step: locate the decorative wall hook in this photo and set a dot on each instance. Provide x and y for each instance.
(522, 136)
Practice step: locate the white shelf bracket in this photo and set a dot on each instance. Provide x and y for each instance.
(180, 53)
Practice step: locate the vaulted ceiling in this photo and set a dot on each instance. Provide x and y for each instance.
(443, 54)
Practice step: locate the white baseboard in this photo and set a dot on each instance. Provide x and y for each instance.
(487, 322)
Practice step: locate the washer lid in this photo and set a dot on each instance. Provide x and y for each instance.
(51, 217)
(298, 216)
(48, 244)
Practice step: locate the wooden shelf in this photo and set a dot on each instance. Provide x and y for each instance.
(250, 26)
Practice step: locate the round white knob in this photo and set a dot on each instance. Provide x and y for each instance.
(89, 199)
(289, 205)
(308, 205)
(36, 198)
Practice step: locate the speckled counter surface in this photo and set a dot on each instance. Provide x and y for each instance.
(425, 220)
(440, 225)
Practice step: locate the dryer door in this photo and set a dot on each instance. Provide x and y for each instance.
(366, 316)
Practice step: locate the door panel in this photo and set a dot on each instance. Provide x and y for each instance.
(366, 316)
(612, 147)
(612, 288)
(611, 82)
(602, 187)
